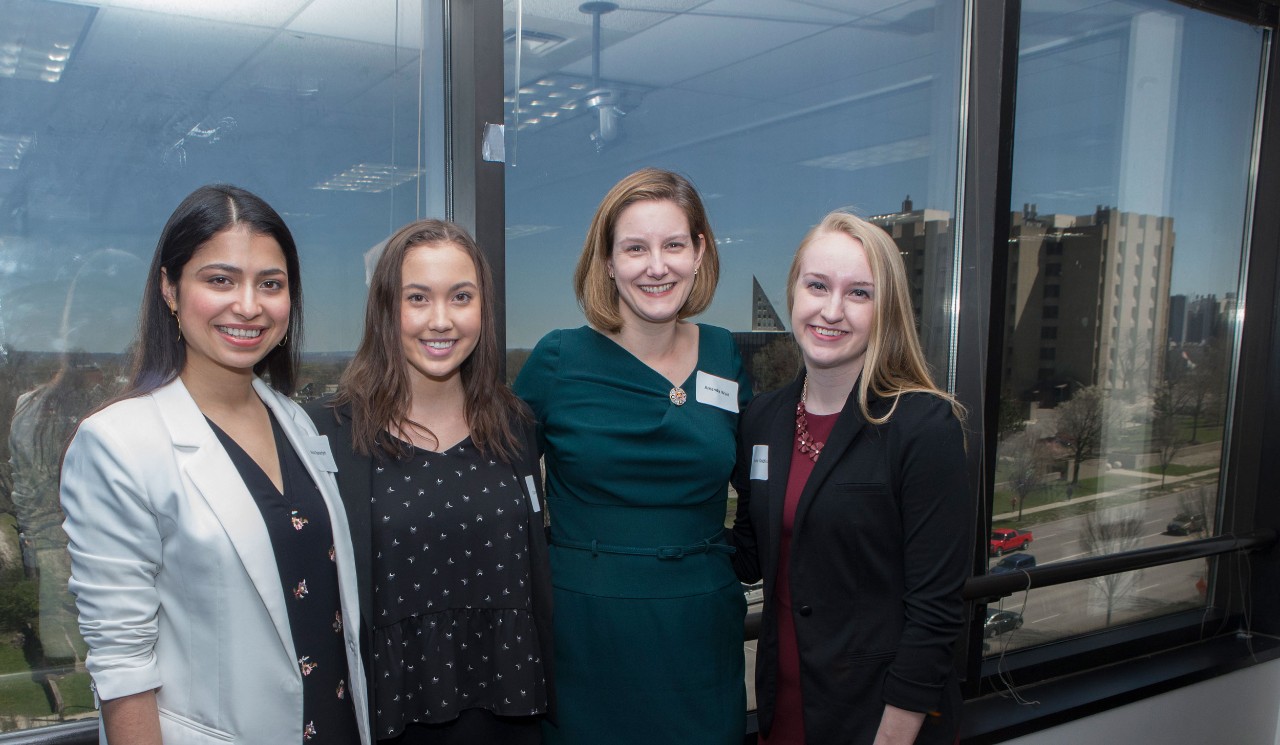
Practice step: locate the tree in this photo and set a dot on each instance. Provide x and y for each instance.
(1164, 426)
(1027, 459)
(1082, 422)
(1200, 500)
(1201, 381)
(776, 364)
(1013, 413)
(1132, 364)
(1108, 532)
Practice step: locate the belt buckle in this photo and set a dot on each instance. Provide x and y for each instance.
(667, 553)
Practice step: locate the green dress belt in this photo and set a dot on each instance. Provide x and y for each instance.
(706, 545)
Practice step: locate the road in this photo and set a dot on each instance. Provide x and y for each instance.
(1054, 612)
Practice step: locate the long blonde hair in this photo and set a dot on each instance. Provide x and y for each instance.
(893, 363)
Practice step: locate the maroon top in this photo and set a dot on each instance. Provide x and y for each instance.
(788, 714)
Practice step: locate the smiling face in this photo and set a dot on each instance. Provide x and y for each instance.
(834, 304)
(232, 301)
(653, 260)
(440, 310)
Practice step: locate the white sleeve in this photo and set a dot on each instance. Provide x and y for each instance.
(115, 545)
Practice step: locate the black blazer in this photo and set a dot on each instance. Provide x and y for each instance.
(355, 483)
(879, 552)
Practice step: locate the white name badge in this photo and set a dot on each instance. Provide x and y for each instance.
(318, 449)
(760, 462)
(533, 493)
(716, 391)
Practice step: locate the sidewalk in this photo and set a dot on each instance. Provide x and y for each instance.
(1153, 480)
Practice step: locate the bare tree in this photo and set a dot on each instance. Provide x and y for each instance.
(1013, 413)
(1027, 460)
(1133, 363)
(1199, 500)
(1164, 426)
(1201, 382)
(1082, 421)
(1107, 532)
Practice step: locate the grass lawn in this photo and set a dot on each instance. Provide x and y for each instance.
(1177, 470)
(1057, 492)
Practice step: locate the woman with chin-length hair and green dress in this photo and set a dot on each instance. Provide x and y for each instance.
(637, 415)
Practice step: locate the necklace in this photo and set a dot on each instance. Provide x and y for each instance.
(808, 445)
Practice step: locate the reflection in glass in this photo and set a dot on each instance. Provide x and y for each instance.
(778, 114)
(113, 112)
(1130, 176)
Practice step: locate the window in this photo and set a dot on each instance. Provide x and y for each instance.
(684, 91)
(1140, 434)
(112, 115)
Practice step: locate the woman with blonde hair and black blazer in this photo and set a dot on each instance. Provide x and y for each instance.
(210, 556)
(853, 506)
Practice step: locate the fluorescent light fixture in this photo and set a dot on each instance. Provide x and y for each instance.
(37, 45)
(369, 177)
(876, 155)
(524, 231)
(535, 42)
(12, 148)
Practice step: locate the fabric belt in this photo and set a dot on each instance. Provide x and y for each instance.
(663, 553)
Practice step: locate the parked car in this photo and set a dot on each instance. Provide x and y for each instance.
(1000, 621)
(1185, 523)
(1004, 540)
(1013, 563)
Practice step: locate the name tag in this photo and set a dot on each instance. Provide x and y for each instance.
(718, 392)
(318, 448)
(760, 462)
(533, 493)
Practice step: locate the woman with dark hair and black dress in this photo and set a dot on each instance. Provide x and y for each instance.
(438, 469)
(210, 556)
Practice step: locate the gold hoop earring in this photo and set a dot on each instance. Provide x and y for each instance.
(282, 341)
(174, 312)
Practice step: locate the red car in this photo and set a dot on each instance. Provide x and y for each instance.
(1008, 539)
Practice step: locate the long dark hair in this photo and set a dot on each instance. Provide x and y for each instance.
(376, 384)
(159, 353)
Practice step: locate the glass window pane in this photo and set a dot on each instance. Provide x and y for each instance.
(1132, 154)
(1047, 614)
(778, 111)
(109, 116)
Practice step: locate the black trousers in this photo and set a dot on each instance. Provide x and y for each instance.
(473, 727)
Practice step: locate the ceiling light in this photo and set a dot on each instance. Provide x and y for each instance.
(39, 46)
(535, 42)
(876, 155)
(12, 148)
(369, 177)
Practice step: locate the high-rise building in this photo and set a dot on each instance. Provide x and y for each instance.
(927, 244)
(1088, 299)
(763, 315)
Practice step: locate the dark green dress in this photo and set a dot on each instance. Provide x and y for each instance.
(648, 612)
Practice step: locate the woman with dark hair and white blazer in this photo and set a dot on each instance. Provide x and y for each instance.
(853, 506)
(211, 560)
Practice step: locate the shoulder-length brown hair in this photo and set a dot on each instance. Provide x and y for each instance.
(893, 364)
(376, 384)
(597, 293)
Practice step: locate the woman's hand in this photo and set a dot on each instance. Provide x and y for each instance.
(898, 726)
(132, 719)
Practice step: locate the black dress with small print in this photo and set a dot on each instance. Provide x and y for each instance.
(302, 540)
(452, 601)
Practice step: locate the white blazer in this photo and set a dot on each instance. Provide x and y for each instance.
(175, 578)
